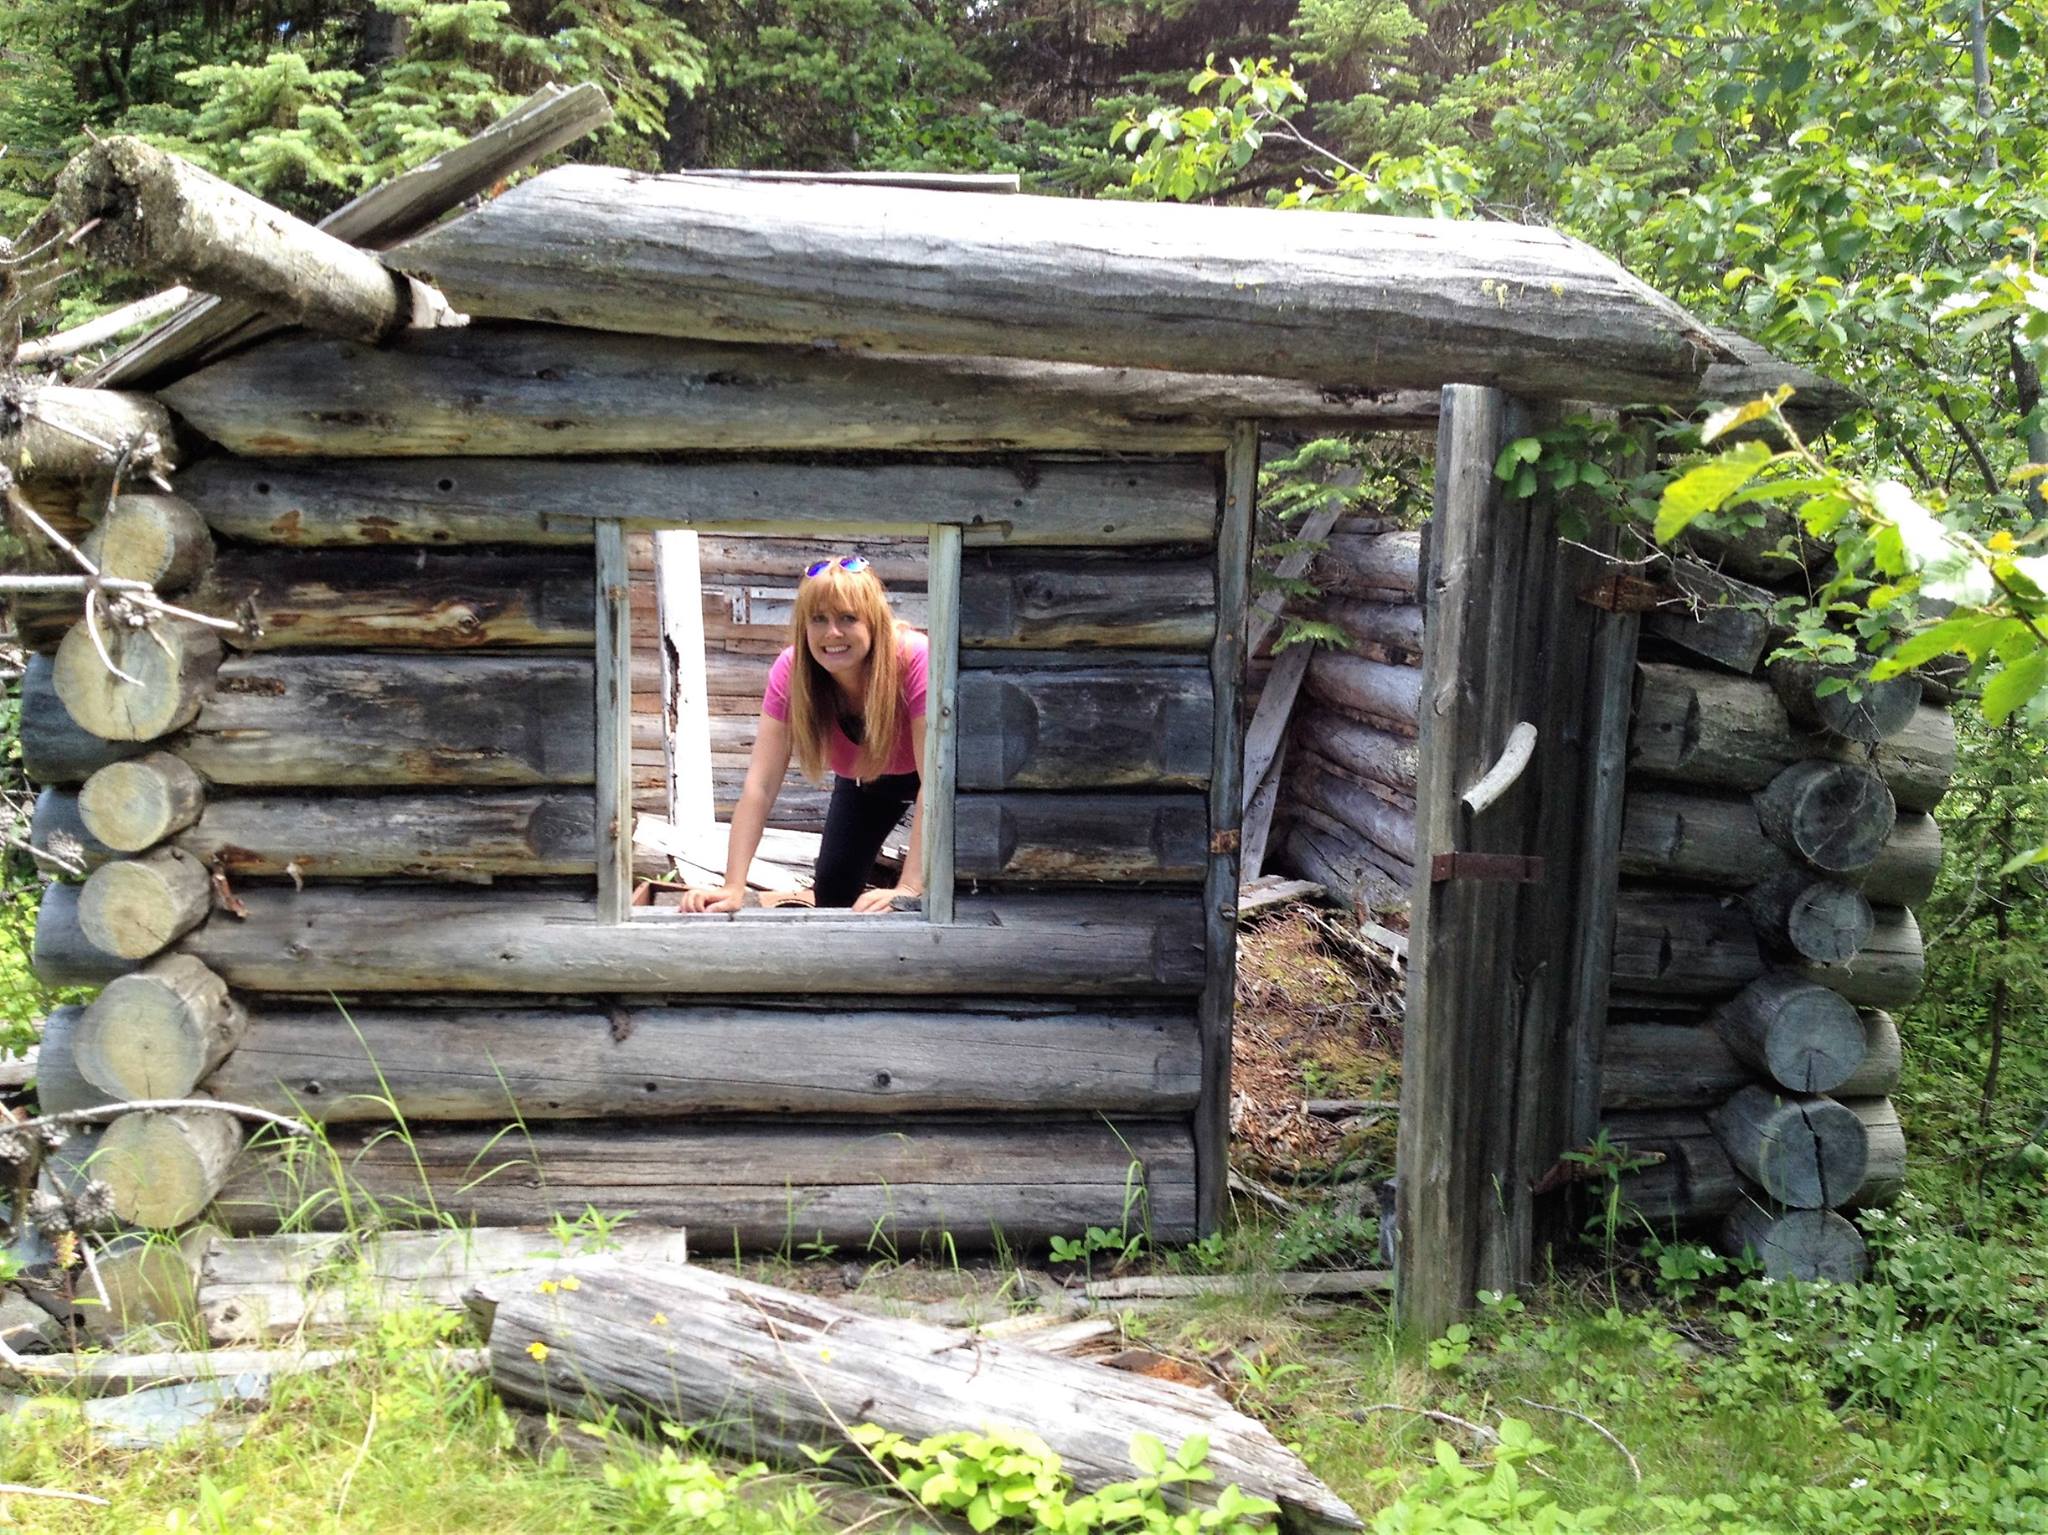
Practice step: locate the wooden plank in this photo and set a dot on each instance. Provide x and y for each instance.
(614, 731)
(1315, 527)
(435, 939)
(1357, 301)
(942, 719)
(546, 121)
(1018, 600)
(632, 1062)
(1258, 818)
(1087, 726)
(862, 1187)
(1239, 517)
(1268, 729)
(686, 699)
(373, 500)
(1054, 837)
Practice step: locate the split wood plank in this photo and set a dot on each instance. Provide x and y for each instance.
(614, 728)
(942, 716)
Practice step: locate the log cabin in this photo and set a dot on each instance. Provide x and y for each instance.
(349, 829)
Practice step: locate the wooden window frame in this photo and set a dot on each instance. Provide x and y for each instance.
(614, 708)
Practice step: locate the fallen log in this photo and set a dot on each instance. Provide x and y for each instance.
(870, 1186)
(813, 1367)
(1707, 730)
(151, 212)
(1808, 1153)
(134, 805)
(164, 1168)
(307, 1284)
(135, 907)
(491, 1063)
(1803, 1037)
(1390, 696)
(169, 666)
(1367, 303)
(1194, 1286)
(1805, 1245)
(1833, 815)
(156, 1033)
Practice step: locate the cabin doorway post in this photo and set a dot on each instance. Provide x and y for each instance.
(1522, 735)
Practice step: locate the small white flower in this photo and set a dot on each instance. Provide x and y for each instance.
(1857, 1484)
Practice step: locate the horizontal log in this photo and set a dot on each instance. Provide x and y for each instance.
(63, 955)
(1105, 726)
(1834, 816)
(1717, 839)
(1713, 616)
(161, 675)
(293, 599)
(1339, 865)
(550, 391)
(1314, 783)
(153, 538)
(1707, 730)
(1393, 629)
(1797, 1035)
(1365, 302)
(377, 720)
(658, 1062)
(1667, 1066)
(1804, 1245)
(1055, 837)
(1809, 1153)
(450, 501)
(60, 1085)
(136, 907)
(63, 845)
(1888, 971)
(1688, 1179)
(1865, 712)
(60, 436)
(1884, 1176)
(888, 1187)
(1774, 549)
(158, 1032)
(428, 939)
(164, 1169)
(1364, 751)
(1383, 566)
(1883, 1059)
(530, 831)
(137, 804)
(54, 749)
(1801, 916)
(1013, 599)
(1390, 696)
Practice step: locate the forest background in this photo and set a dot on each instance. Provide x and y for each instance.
(1858, 184)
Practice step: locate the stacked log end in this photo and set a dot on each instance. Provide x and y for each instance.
(1776, 840)
(1346, 811)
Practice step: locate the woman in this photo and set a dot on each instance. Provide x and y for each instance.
(848, 693)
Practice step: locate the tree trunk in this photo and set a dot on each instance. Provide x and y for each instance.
(813, 1367)
(135, 907)
(1834, 815)
(1074, 280)
(1801, 1036)
(172, 662)
(136, 804)
(612, 1063)
(158, 1032)
(1809, 1153)
(165, 1168)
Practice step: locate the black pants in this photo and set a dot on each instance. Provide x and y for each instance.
(857, 822)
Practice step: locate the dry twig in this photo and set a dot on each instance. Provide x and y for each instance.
(1634, 1467)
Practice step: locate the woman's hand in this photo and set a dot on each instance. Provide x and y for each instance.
(872, 901)
(719, 898)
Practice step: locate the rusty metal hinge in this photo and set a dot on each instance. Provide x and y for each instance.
(1512, 868)
(1620, 592)
(1224, 841)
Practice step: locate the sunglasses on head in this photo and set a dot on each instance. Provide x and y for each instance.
(853, 562)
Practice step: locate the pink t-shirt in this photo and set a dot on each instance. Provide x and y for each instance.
(913, 649)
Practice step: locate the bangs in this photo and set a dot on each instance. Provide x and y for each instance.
(850, 591)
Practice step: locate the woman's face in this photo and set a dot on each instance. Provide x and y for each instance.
(839, 641)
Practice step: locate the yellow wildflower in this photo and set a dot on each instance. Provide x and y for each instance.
(538, 1349)
(548, 1287)
(2000, 542)
(660, 1319)
(571, 1282)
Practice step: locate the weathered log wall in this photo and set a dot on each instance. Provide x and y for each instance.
(380, 785)
(1774, 842)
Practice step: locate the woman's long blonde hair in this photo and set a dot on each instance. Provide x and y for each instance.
(814, 698)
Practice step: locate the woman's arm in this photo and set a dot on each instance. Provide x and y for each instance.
(766, 769)
(911, 882)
